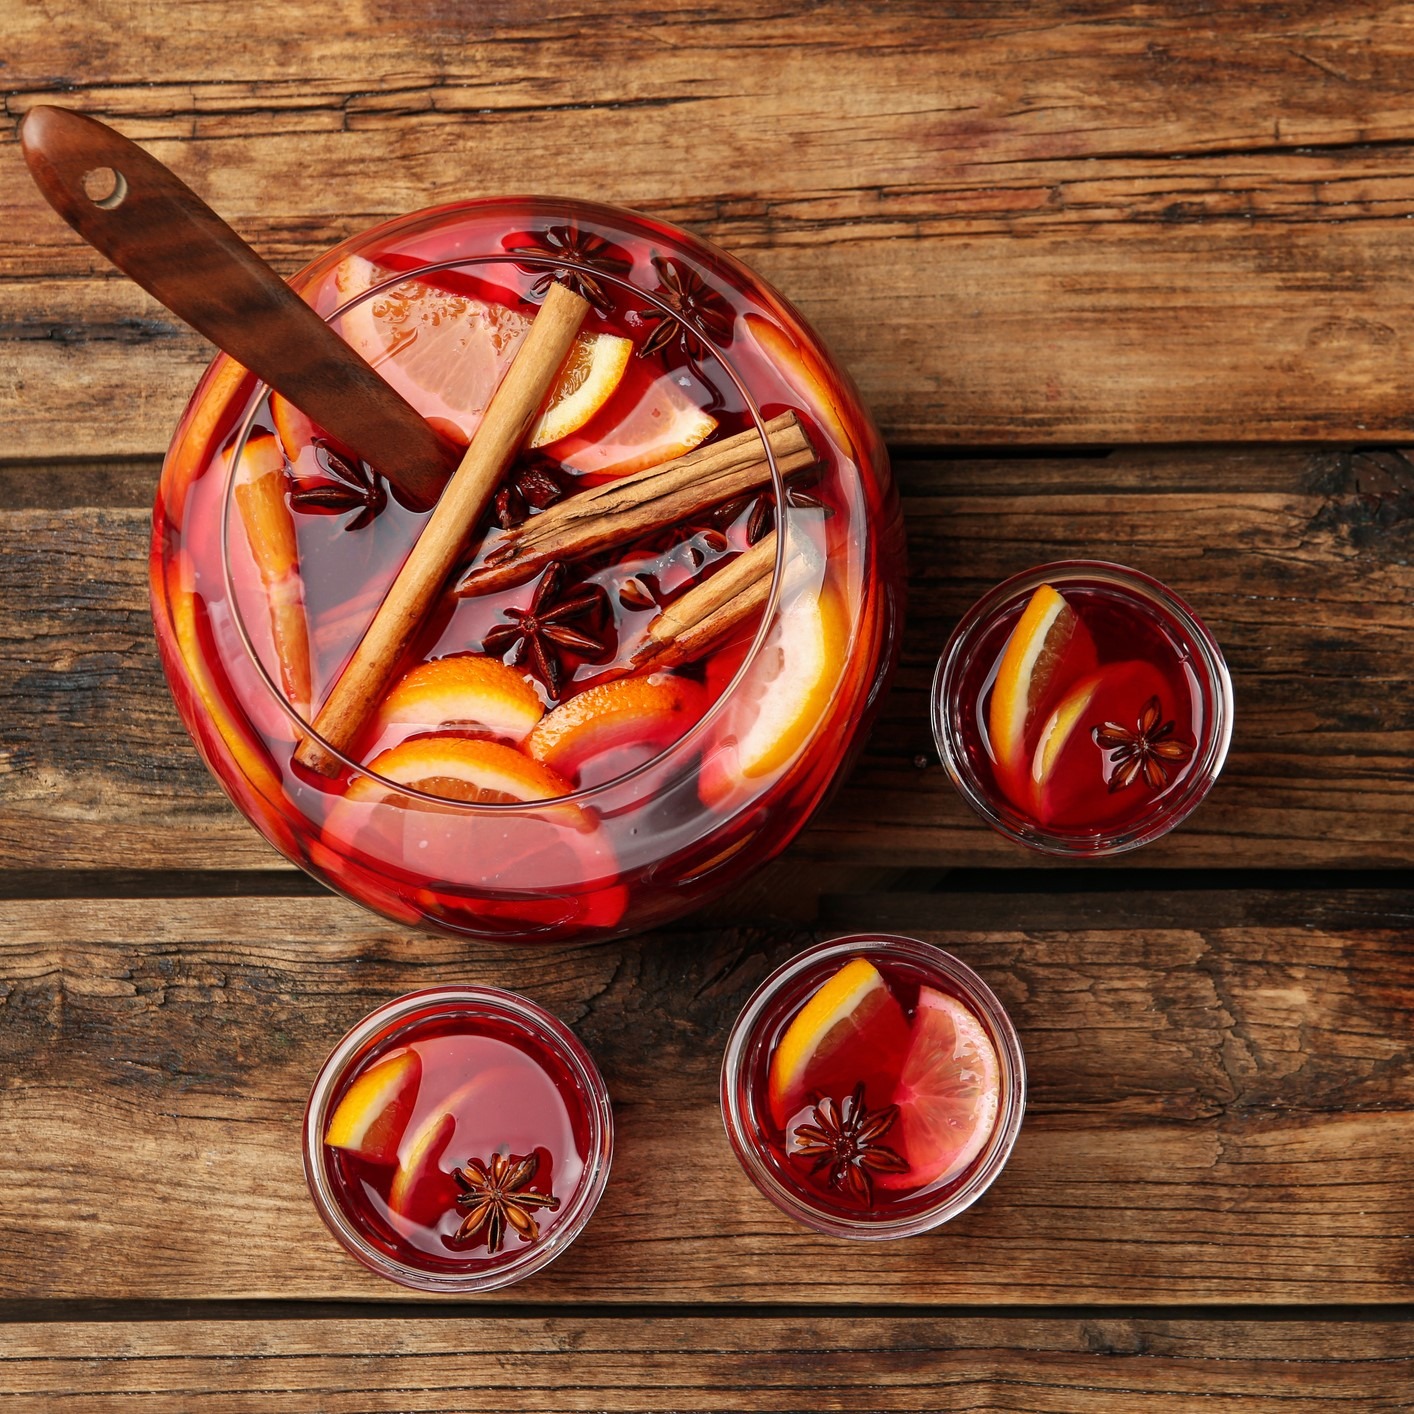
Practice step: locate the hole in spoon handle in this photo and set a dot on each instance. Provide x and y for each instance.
(105, 187)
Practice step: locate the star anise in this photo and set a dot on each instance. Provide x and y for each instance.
(844, 1139)
(702, 311)
(1146, 750)
(532, 487)
(580, 248)
(348, 486)
(536, 634)
(763, 510)
(495, 1196)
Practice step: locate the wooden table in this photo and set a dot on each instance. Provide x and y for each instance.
(1118, 280)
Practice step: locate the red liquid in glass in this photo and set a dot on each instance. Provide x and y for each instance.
(1142, 707)
(478, 1093)
(916, 1077)
(646, 847)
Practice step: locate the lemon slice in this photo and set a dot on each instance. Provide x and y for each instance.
(948, 1096)
(652, 420)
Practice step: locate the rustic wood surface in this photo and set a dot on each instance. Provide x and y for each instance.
(1119, 280)
(1219, 1110)
(1302, 564)
(1103, 1364)
(1051, 222)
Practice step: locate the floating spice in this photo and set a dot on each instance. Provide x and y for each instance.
(496, 1195)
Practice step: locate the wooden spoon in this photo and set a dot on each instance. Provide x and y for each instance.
(156, 230)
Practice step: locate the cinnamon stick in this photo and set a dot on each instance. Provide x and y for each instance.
(513, 408)
(709, 611)
(621, 511)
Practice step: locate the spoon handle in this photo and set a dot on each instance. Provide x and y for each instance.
(156, 230)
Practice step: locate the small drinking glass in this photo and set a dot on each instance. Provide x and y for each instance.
(1082, 709)
(458, 1139)
(873, 1087)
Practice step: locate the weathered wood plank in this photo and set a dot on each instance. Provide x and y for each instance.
(1022, 1365)
(1307, 582)
(1219, 1113)
(1084, 222)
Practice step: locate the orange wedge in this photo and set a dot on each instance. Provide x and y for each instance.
(1070, 773)
(461, 768)
(422, 1190)
(851, 1030)
(259, 491)
(948, 1094)
(787, 693)
(465, 690)
(632, 719)
(1048, 650)
(369, 1121)
(805, 374)
(651, 420)
(592, 372)
(446, 352)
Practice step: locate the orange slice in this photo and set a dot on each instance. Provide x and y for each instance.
(592, 372)
(948, 1095)
(297, 432)
(259, 489)
(369, 1121)
(1059, 728)
(812, 636)
(422, 1189)
(806, 375)
(447, 352)
(464, 690)
(1048, 649)
(652, 420)
(632, 719)
(192, 448)
(786, 695)
(1070, 773)
(256, 787)
(461, 768)
(851, 1030)
(294, 428)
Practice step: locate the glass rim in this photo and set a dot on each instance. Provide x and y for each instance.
(1075, 844)
(492, 1001)
(671, 754)
(978, 996)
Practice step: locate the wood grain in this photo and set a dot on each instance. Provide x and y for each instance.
(1080, 222)
(1024, 1365)
(1302, 563)
(1220, 1111)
